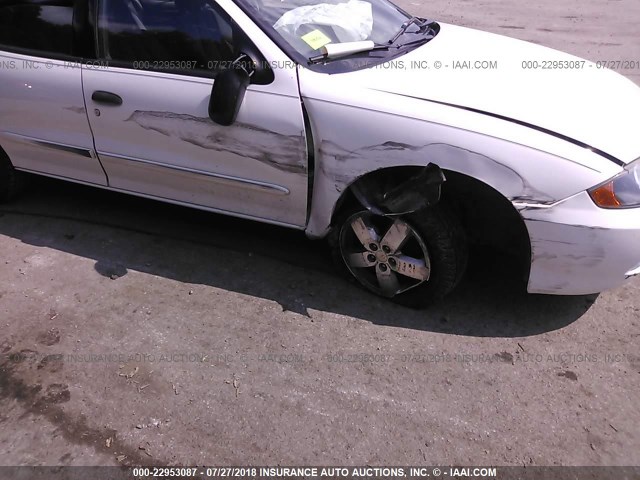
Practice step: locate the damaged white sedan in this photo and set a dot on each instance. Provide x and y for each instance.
(400, 139)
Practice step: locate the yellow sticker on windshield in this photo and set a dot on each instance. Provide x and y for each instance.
(316, 39)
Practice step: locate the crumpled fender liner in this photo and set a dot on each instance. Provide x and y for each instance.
(391, 193)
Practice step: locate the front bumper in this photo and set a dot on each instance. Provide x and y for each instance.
(578, 248)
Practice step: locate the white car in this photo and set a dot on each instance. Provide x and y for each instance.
(401, 139)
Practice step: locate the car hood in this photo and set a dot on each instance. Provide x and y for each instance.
(588, 105)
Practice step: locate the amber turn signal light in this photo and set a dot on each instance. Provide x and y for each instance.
(604, 196)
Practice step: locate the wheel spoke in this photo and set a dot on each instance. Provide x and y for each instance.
(412, 267)
(396, 235)
(399, 257)
(388, 282)
(365, 233)
(360, 260)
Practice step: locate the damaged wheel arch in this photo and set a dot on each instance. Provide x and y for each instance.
(380, 191)
(399, 191)
(488, 218)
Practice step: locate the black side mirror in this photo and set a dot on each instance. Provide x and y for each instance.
(228, 92)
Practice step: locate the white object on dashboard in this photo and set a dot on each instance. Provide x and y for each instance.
(350, 21)
(333, 50)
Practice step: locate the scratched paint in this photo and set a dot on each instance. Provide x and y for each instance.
(344, 166)
(287, 153)
(78, 110)
(580, 249)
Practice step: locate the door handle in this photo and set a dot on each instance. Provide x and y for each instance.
(108, 98)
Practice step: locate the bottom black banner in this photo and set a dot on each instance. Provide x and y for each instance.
(294, 473)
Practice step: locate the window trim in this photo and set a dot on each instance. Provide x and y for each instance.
(244, 44)
(30, 52)
(33, 52)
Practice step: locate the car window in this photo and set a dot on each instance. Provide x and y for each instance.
(43, 28)
(305, 26)
(181, 36)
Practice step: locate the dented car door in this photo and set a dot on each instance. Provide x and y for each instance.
(149, 114)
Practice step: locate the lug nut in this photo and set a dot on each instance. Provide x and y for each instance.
(373, 247)
(392, 262)
(383, 267)
(386, 249)
(371, 258)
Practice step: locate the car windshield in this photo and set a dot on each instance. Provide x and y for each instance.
(303, 27)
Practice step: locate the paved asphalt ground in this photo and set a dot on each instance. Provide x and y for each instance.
(134, 332)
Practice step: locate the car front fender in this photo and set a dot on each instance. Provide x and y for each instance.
(357, 130)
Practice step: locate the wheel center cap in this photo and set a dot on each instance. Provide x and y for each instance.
(381, 256)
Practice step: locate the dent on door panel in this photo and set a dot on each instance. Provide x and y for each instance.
(250, 141)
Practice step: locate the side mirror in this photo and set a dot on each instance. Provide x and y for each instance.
(228, 92)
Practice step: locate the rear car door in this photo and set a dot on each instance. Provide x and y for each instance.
(43, 121)
(149, 111)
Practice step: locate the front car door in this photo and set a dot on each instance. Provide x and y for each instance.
(149, 111)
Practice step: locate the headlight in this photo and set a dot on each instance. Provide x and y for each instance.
(622, 191)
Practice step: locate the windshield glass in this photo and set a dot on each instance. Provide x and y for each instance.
(303, 27)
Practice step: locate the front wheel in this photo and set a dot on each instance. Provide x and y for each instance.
(413, 259)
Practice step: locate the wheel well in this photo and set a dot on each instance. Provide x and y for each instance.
(488, 218)
(3, 154)
(5, 161)
(384, 178)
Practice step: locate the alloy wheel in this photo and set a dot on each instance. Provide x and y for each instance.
(385, 254)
